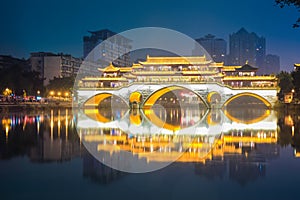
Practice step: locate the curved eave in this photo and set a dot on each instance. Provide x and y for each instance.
(198, 72)
(137, 66)
(104, 79)
(129, 76)
(250, 78)
(147, 73)
(174, 63)
(127, 69)
(108, 70)
(230, 68)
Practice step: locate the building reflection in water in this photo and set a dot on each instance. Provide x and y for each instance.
(98, 172)
(192, 130)
(44, 136)
(246, 140)
(239, 151)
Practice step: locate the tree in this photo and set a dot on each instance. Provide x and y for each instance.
(285, 82)
(16, 79)
(61, 84)
(296, 82)
(296, 3)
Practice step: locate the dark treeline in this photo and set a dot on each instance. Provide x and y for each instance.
(17, 79)
(289, 82)
(64, 84)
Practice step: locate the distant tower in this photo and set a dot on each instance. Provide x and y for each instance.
(114, 48)
(216, 47)
(245, 46)
(272, 65)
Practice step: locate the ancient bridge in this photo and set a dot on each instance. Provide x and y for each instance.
(144, 95)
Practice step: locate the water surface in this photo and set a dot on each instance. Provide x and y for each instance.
(256, 157)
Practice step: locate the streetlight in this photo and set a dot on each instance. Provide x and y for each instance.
(59, 94)
(51, 93)
(7, 92)
(24, 94)
(38, 97)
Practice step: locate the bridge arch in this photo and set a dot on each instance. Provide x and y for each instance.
(96, 115)
(213, 97)
(135, 117)
(95, 100)
(154, 96)
(151, 116)
(265, 114)
(262, 99)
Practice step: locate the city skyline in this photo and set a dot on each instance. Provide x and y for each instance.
(39, 30)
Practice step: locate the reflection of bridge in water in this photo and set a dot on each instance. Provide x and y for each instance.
(166, 135)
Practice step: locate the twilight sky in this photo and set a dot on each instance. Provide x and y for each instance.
(59, 25)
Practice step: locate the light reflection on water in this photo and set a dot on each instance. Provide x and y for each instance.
(157, 137)
(243, 152)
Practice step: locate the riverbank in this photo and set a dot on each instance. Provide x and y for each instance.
(28, 106)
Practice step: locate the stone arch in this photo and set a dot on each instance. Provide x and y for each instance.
(262, 99)
(248, 121)
(213, 97)
(153, 97)
(96, 115)
(95, 100)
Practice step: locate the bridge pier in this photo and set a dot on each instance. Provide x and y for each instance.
(215, 106)
(134, 105)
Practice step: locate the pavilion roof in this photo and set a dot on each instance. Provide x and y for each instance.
(247, 68)
(109, 68)
(137, 66)
(230, 68)
(176, 60)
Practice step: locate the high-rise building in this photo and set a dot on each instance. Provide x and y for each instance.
(51, 65)
(271, 66)
(118, 47)
(246, 47)
(216, 47)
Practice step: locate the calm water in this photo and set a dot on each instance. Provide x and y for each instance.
(234, 154)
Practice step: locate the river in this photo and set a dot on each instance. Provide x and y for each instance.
(208, 154)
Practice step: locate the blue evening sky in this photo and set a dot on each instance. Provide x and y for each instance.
(59, 25)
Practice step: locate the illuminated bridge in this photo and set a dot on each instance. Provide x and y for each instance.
(214, 95)
(145, 83)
